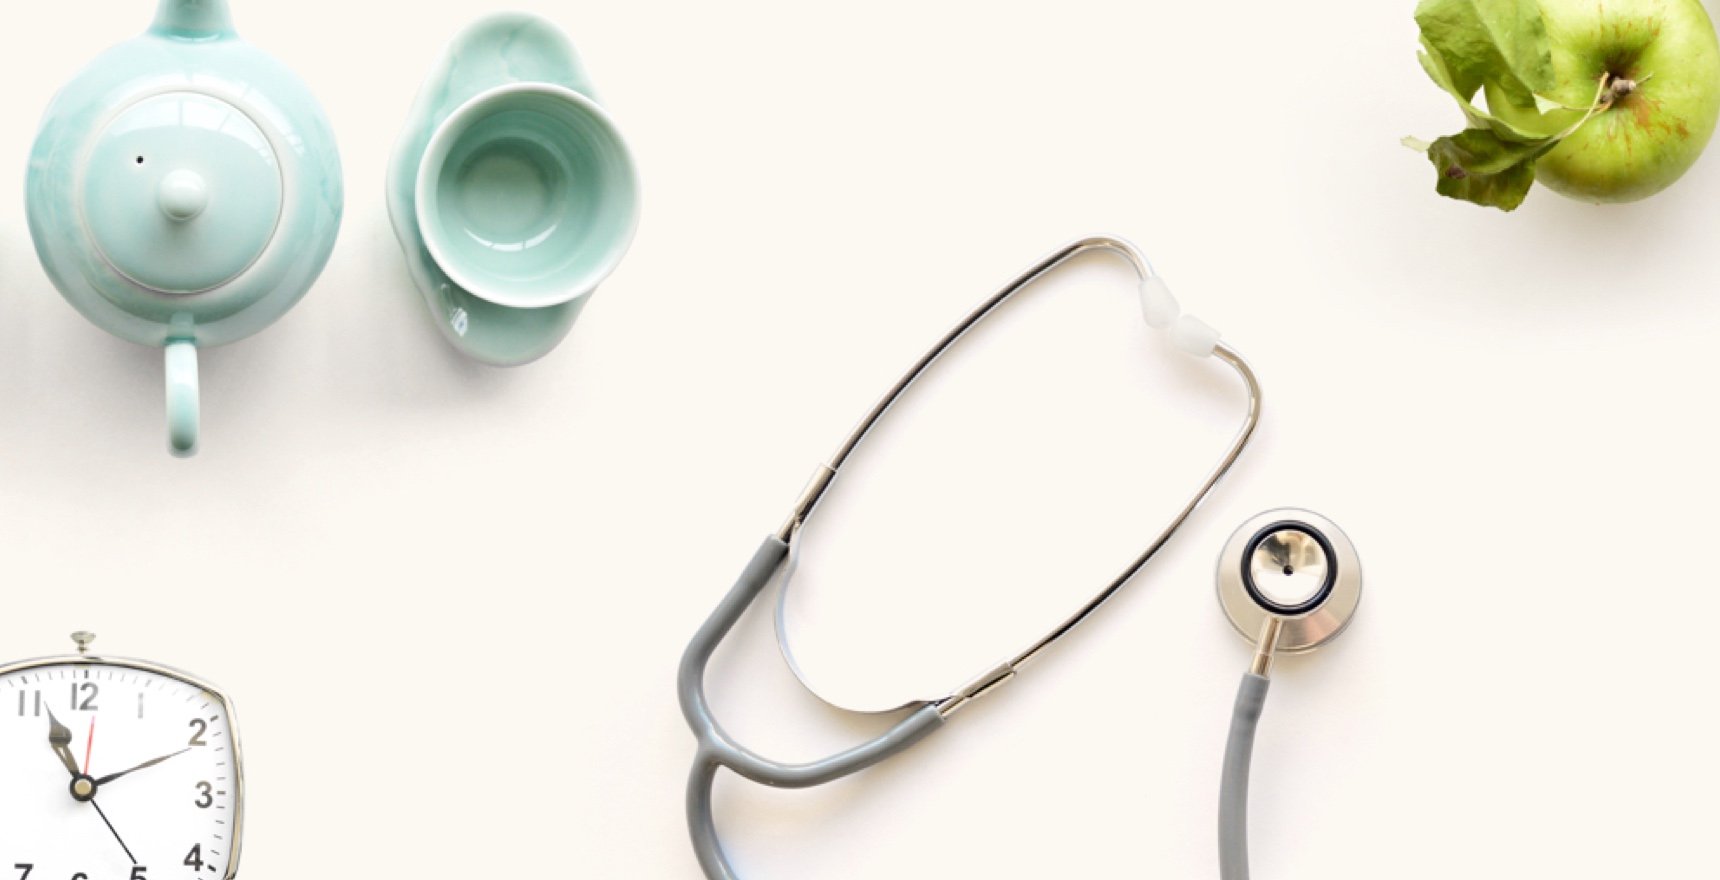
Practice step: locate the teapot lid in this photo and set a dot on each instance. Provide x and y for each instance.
(181, 192)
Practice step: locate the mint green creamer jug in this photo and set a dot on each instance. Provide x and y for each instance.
(184, 191)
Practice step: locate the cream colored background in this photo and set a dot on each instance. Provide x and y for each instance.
(450, 600)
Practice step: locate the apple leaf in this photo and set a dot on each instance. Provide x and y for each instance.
(1478, 166)
(1501, 45)
(1432, 62)
(1480, 41)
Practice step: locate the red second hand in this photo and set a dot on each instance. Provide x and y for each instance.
(89, 745)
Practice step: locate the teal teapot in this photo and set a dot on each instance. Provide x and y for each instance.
(184, 191)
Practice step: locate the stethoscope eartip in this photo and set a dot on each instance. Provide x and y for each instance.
(1291, 576)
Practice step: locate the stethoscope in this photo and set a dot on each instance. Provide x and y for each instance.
(1289, 581)
(717, 749)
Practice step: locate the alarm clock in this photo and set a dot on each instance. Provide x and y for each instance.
(116, 769)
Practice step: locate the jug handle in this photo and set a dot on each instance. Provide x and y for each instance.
(182, 397)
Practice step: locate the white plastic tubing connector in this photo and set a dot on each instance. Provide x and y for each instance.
(1188, 333)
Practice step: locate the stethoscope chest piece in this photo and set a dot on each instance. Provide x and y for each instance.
(1290, 575)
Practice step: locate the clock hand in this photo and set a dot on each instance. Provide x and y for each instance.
(150, 763)
(60, 738)
(89, 745)
(115, 833)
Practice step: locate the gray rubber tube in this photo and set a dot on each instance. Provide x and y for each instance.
(1233, 791)
(717, 750)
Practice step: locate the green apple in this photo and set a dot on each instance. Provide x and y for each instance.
(1661, 61)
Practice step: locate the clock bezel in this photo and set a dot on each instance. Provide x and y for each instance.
(238, 845)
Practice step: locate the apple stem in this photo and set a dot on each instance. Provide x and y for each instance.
(1621, 88)
(1604, 98)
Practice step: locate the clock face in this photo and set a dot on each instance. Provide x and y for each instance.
(110, 771)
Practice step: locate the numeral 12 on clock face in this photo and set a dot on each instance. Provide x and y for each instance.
(116, 770)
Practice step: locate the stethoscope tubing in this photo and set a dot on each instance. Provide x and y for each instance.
(1233, 787)
(717, 749)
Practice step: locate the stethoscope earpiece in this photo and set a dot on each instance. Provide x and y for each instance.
(1289, 581)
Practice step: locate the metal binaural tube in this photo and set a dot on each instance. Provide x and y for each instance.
(1143, 269)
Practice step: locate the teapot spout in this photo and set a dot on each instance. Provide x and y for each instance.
(193, 19)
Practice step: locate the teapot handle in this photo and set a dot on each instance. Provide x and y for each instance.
(183, 409)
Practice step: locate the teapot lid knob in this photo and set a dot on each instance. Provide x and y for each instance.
(183, 195)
